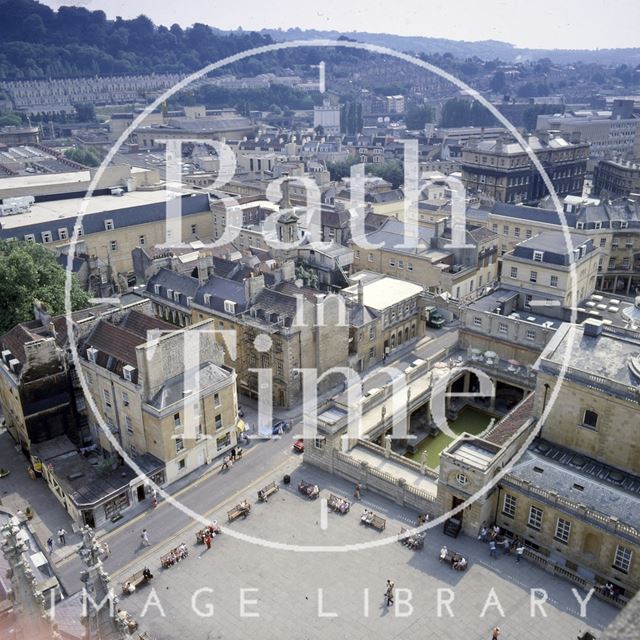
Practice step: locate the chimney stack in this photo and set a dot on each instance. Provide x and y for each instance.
(360, 292)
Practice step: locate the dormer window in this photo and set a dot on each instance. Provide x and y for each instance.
(63, 234)
(176, 296)
(598, 225)
(229, 306)
(47, 237)
(169, 293)
(538, 255)
(207, 298)
(108, 225)
(156, 289)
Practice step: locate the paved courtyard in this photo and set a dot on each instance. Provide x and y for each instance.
(287, 582)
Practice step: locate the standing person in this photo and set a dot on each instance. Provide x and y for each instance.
(388, 594)
(519, 551)
(356, 493)
(507, 545)
(145, 538)
(50, 545)
(233, 454)
(495, 634)
(62, 536)
(492, 548)
(207, 541)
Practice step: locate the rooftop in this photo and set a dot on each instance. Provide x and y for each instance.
(383, 292)
(606, 356)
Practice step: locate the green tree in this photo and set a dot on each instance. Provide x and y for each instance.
(498, 83)
(30, 272)
(85, 112)
(418, 116)
(10, 119)
(83, 156)
(392, 171)
(339, 170)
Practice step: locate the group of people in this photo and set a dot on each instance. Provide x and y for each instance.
(210, 532)
(494, 538)
(367, 517)
(175, 555)
(234, 455)
(341, 505)
(457, 560)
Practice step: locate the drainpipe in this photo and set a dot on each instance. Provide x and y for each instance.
(544, 405)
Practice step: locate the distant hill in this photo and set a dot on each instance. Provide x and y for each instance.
(485, 49)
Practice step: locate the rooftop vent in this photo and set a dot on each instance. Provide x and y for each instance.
(592, 327)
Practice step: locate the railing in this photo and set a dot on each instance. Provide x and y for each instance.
(387, 484)
(602, 520)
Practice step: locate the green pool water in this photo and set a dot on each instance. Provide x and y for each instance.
(469, 420)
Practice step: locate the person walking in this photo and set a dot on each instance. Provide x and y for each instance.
(356, 493)
(519, 551)
(62, 536)
(50, 545)
(506, 545)
(388, 594)
(145, 538)
(207, 541)
(495, 633)
(493, 552)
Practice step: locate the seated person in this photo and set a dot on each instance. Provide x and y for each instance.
(238, 452)
(244, 505)
(315, 490)
(128, 587)
(460, 563)
(147, 574)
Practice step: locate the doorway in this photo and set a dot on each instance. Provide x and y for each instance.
(455, 503)
(141, 493)
(88, 519)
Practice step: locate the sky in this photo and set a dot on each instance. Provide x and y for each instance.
(539, 24)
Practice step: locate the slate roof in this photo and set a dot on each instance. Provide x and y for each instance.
(124, 217)
(210, 374)
(221, 289)
(582, 480)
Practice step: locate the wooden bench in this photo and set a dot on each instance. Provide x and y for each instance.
(374, 521)
(312, 491)
(136, 580)
(449, 558)
(265, 492)
(338, 504)
(241, 509)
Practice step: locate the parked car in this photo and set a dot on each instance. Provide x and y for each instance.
(279, 427)
(298, 445)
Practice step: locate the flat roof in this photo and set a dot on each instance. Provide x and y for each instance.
(473, 454)
(384, 292)
(31, 180)
(54, 210)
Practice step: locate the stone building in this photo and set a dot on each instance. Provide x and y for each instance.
(501, 169)
(614, 228)
(152, 399)
(111, 228)
(461, 272)
(539, 269)
(616, 178)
